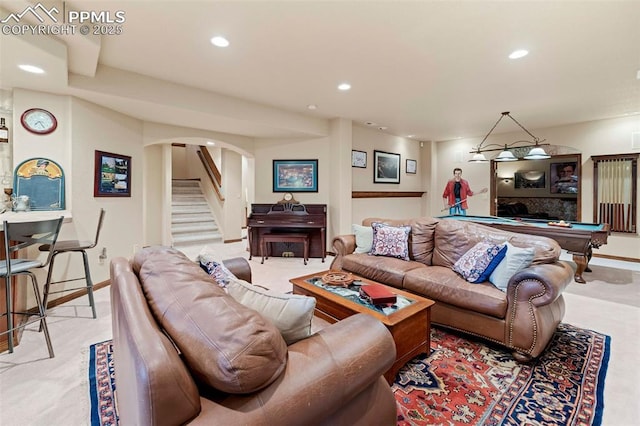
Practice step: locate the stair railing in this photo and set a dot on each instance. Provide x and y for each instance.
(212, 171)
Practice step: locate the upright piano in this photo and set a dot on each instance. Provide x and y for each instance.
(288, 218)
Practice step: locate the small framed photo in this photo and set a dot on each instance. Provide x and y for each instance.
(112, 175)
(412, 166)
(358, 159)
(386, 167)
(295, 175)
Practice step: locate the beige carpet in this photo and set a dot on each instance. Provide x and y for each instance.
(616, 285)
(36, 390)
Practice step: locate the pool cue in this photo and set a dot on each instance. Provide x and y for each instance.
(453, 205)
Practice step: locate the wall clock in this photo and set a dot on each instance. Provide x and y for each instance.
(39, 121)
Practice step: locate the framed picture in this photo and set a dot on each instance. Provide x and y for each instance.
(386, 167)
(112, 175)
(534, 179)
(358, 159)
(564, 177)
(412, 166)
(295, 175)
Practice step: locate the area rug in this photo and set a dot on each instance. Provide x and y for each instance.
(102, 385)
(462, 382)
(467, 382)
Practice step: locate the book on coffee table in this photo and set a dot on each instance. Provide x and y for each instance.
(377, 294)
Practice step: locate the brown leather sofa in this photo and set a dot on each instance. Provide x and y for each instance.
(333, 377)
(523, 318)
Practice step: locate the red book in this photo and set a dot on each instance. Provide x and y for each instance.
(377, 294)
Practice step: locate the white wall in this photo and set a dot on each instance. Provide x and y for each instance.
(367, 140)
(82, 129)
(179, 167)
(310, 149)
(231, 170)
(98, 128)
(156, 222)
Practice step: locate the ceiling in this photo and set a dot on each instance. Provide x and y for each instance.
(438, 70)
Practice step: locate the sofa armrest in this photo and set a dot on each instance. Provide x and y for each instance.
(324, 374)
(342, 246)
(535, 307)
(240, 267)
(540, 284)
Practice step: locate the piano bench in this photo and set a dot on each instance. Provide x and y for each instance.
(267, 239)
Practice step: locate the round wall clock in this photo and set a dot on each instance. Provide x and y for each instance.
(39, 121)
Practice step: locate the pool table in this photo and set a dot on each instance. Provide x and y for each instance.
(578, 240)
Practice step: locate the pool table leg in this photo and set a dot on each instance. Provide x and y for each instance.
(589, 254)
(581, 262)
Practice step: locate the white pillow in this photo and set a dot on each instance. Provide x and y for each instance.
(515, 260)
(364, 238)
(290, 313)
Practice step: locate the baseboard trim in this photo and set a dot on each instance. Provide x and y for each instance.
(76, 294)
(622, 258)
(232, 241)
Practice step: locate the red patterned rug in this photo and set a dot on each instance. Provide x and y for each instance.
(467, 382)
(463, 382)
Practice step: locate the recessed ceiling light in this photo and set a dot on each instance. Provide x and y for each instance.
(312, 107)
(382, 128)
(210, 143)
(370, 123)
(516, 54)
(219, 41)
(31, 68)
(411, 136)
(344, 86)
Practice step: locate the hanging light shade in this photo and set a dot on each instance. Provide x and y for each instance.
(478, 158)
(537, 153)
(506, 155)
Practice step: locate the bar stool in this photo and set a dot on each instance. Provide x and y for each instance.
(19, 235)
(70, 246)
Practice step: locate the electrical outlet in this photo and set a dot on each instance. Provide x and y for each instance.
(135, 248)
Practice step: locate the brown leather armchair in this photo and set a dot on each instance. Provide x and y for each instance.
(333, 377)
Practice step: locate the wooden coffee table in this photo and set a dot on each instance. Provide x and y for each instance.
(409, 321)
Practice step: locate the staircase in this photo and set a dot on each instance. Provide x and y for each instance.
(191, 220)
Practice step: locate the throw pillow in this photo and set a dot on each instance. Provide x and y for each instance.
(213, 266)
(218, 271)
(392, 241)
(364, 238)
(290, 313)
(516, 259)
(479, 262)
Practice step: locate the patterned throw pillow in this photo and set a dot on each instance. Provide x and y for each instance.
(218, 271)
(391, 241)
(479, 262)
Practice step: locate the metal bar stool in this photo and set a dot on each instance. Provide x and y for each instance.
(19, 235)
(70, 246)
